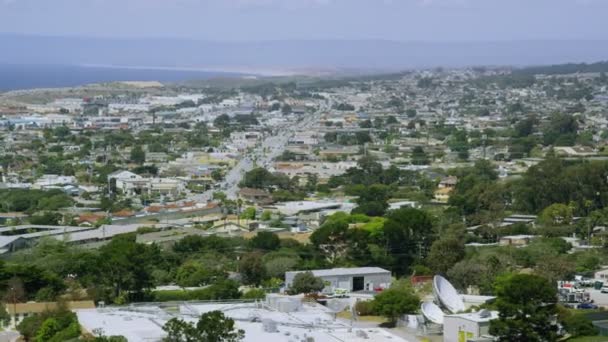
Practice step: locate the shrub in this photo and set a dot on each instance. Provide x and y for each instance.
(254, 294)
(365, 308)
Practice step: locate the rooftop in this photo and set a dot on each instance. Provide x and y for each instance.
(144, 322)
(346, 271)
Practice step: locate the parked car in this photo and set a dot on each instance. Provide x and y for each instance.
(604, 289)
(587, 306)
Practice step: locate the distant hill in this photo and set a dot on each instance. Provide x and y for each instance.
(569, 68)
(285, 55)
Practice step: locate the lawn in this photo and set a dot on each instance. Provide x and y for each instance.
(589, 339)
(376, 319)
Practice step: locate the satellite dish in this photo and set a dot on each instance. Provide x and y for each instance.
(484, 313)
(446, 295)
(432, 312)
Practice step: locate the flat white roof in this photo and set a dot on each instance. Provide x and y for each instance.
(475, 316)
(144, 323)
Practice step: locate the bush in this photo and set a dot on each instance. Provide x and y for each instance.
(365, 308)
(170, 295)
(254, 294)
(224, 289)
(579, 325)
(51, 326)
(306, 282)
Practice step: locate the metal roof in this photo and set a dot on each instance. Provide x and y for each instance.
(345, 271)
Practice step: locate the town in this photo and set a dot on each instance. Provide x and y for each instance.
(434, 205)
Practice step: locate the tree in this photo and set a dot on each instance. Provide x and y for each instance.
(138, 155)
(331, 240)
(391, 120)
(445, 253)
(275, 107)
(277, 267)
(126, 265)
(15, 291)
(365, 124)
(419, 157)
(212, 326)
(193, 273)
(561, 130)
(396, 301)
(407, 235)
(306, 282)
(286, 109)
(526, 305)
(411, 113)
(222, 122)
(556, 214)
(265, 241)
(252, 269)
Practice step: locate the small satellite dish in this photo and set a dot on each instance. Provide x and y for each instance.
(447, 295)
(484, 313)
(432, 312)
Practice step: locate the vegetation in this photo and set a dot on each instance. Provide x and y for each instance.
(211, 327)
(526, 305)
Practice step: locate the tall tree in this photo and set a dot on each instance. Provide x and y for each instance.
(526, 305)
(138, 155)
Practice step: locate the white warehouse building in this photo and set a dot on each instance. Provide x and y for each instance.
(350, 279)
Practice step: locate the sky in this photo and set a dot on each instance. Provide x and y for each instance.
(255, 20)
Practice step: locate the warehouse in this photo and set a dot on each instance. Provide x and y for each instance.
(350, 279)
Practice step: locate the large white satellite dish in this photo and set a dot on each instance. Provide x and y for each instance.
(432, 312)
(446, 294)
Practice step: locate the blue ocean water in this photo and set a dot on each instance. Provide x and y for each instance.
(14, 76)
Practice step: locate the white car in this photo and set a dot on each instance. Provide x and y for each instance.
(604, 289)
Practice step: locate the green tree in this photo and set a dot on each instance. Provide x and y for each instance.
(126, 265)
(408, 234)
(212, 326)
(365, 124)
(138, 155)
(395, 302)
(526, 305)
(445, 253)
(252, 269)
(556, 214)
(286, 109)
(277, 267)
(306, 282)
(419, 157)
(193, 273)
(265, 241)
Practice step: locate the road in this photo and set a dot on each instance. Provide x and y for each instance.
(262, 155)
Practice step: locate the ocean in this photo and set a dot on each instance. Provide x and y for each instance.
(14, 76)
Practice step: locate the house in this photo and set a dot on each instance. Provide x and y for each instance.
(445, 188)
(442, 195)
(516, 240)
(448, 182)
(256, 196)
(350, 279)
(468, 326)
(47, 181)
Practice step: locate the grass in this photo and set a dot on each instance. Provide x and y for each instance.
(375, 319)
(589, 339)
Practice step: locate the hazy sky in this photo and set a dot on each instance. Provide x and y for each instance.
(405, 20)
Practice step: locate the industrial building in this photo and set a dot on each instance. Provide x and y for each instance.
(279, 318)
(473, 326)
(350, 279)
